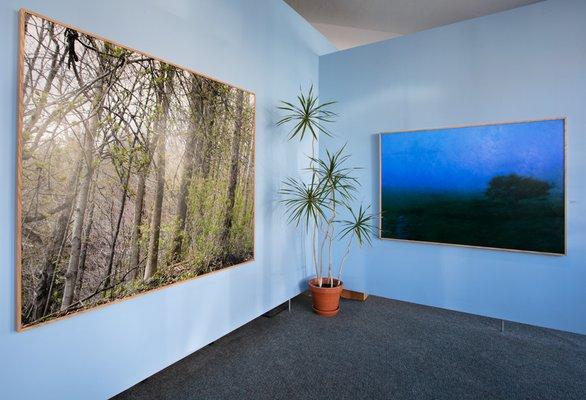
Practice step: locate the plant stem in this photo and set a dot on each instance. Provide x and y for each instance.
(325, 233)
(344, 260)
(313, 240)
(331, 239)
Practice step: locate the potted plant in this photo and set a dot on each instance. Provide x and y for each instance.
(322, 203)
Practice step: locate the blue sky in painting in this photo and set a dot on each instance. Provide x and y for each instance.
(465, 159)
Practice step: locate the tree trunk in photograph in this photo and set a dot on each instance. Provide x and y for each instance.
(125, 183)
(217, 160)
(235, 162)
(56, 63)
(196, 106)
(246, 182)
(186, 176)
(208, 150)
(83, 254)
(82, 200)
(78, 220)
(136, 225)
(42, 293)
(153, 249)
(84, 245)
(112, 253)
(27, 77)
(163, 94)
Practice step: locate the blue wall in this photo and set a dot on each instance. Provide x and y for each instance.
(261, 45)
(528, 63)
(524, 64)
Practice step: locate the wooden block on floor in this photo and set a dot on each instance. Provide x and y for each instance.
(352, 295)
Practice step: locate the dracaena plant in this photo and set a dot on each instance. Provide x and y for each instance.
(323, 203)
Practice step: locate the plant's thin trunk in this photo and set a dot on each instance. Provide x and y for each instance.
(313, 240)
(321, 248)
(326, 233)
(344, 260)
(331, 239)
(330, 277)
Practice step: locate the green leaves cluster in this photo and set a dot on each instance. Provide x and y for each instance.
(332, 186)
(358, 226)
(304, 202)
(307, 115)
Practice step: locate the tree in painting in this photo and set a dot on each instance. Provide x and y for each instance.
(135, 173)
(514, 188)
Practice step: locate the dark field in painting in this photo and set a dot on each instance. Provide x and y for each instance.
(497, 186)
(475, 220)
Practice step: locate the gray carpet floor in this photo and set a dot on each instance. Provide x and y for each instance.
(378, 349)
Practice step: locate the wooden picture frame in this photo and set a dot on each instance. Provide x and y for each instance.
(564, 201)
(242, 121)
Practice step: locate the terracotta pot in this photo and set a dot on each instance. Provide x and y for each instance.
(326, 299)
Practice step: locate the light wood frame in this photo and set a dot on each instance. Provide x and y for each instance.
(565, 183)
(19, 126)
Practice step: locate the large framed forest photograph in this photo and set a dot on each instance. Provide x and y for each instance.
(132, 173)
(499, 186)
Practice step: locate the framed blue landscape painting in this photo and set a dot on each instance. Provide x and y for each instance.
(498, 186)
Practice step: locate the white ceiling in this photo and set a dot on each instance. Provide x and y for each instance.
(349, 23)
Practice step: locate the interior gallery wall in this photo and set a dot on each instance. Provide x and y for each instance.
(520, 65)
(257, 45)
